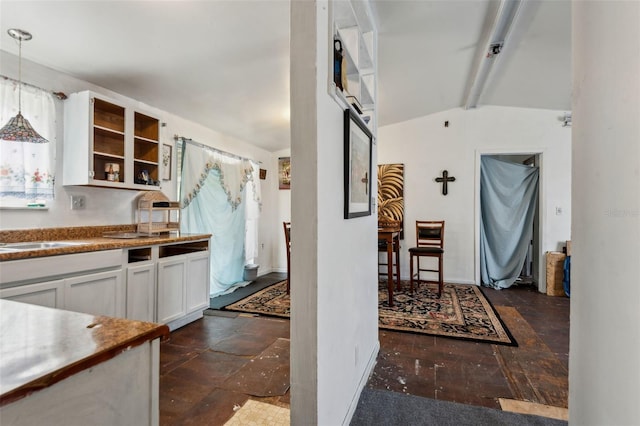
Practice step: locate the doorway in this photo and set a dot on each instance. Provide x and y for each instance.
(533, 268)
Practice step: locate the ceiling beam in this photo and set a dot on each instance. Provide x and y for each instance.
(501, 27)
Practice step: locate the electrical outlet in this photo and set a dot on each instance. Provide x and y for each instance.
(78, 202)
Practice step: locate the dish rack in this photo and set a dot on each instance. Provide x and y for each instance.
(156, 214)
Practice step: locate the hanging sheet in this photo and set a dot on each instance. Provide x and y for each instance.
(508, 199)
(216, 192)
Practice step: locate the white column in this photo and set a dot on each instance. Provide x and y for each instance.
(304, 215)
(334, 297)
(604, 377)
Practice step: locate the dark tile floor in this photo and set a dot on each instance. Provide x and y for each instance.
(217, 363)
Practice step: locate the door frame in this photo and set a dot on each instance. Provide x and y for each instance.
(540, 234)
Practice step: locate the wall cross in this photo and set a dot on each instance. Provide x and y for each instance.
(444, 180)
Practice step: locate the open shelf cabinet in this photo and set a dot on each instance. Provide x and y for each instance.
(114, 143)
(353, 27)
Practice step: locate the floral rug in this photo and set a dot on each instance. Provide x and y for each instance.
(463, 311)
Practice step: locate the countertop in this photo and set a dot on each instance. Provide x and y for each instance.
(41, 346)
(91, 235)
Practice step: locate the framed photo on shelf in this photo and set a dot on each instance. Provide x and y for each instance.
(358, 142)
(166, 162)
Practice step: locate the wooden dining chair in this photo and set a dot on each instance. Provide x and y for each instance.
(287, 242)
(429, 243)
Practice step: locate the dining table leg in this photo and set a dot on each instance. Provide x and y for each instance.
(397, 250)
(390, 269)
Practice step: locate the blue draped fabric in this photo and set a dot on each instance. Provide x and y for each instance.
(508, 199)
(226, 224)
(219, 194)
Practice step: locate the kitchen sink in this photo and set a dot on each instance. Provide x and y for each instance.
(40, 245)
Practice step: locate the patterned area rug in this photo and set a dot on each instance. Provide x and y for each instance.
(463, 311)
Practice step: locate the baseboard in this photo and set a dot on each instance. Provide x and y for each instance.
(460, 281)
(265, 271)
(173, 325)
(447, 280)
(363, 381)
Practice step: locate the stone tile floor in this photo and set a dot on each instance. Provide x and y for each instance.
(213, 366)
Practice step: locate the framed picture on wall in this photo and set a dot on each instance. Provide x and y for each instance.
(284, 173)
(358, 143)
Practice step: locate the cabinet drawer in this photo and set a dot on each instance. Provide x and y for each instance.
(50, 267)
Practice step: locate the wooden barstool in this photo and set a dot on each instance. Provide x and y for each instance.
(287, 242)
(429, 243)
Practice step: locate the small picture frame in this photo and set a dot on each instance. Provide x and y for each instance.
(284, 173)
(166, 162)
(358, 142)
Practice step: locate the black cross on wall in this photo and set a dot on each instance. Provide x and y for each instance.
(444, 180)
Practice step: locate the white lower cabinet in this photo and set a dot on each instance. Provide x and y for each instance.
(197, 281)
(172, 280)
(183, 282)
(167, 284)
(97, 294)
(141, 302)
(49, 294)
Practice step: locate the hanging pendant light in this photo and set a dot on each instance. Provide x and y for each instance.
(18, 129)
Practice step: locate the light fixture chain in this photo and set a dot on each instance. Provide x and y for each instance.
(20, 76)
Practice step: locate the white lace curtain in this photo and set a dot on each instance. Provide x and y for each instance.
(220, 195)
(27, 170)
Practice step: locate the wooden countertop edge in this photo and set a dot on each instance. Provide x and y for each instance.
(161, 331)
(102, 243)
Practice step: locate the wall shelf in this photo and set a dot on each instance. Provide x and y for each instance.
(353, 26)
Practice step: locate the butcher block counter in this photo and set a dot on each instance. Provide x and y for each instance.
(62, 367)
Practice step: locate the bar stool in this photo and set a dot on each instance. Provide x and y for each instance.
(287, 242)
(429, 243)
(382, 248)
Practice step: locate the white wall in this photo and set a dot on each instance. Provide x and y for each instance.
(427, 148)
(106, 206)
(334, 330)
(604, 373)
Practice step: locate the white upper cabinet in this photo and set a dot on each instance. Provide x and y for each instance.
(110, 143)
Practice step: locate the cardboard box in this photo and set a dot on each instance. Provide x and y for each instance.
(568, 247)
(555, 273)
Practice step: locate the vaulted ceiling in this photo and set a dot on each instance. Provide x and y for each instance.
(225, 64)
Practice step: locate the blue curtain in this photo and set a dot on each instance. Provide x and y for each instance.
(210, 213)
(216, 191)
(508, 199)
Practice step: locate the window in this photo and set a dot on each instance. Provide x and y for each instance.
(27, 170)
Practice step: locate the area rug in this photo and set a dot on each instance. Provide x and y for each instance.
(463, 311)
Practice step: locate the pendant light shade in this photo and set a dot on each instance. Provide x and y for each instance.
(18, 129)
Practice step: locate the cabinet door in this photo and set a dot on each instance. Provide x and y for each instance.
(197, 281)
(96, 294)
(172, 277)
(140, 292)
(48, 294)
